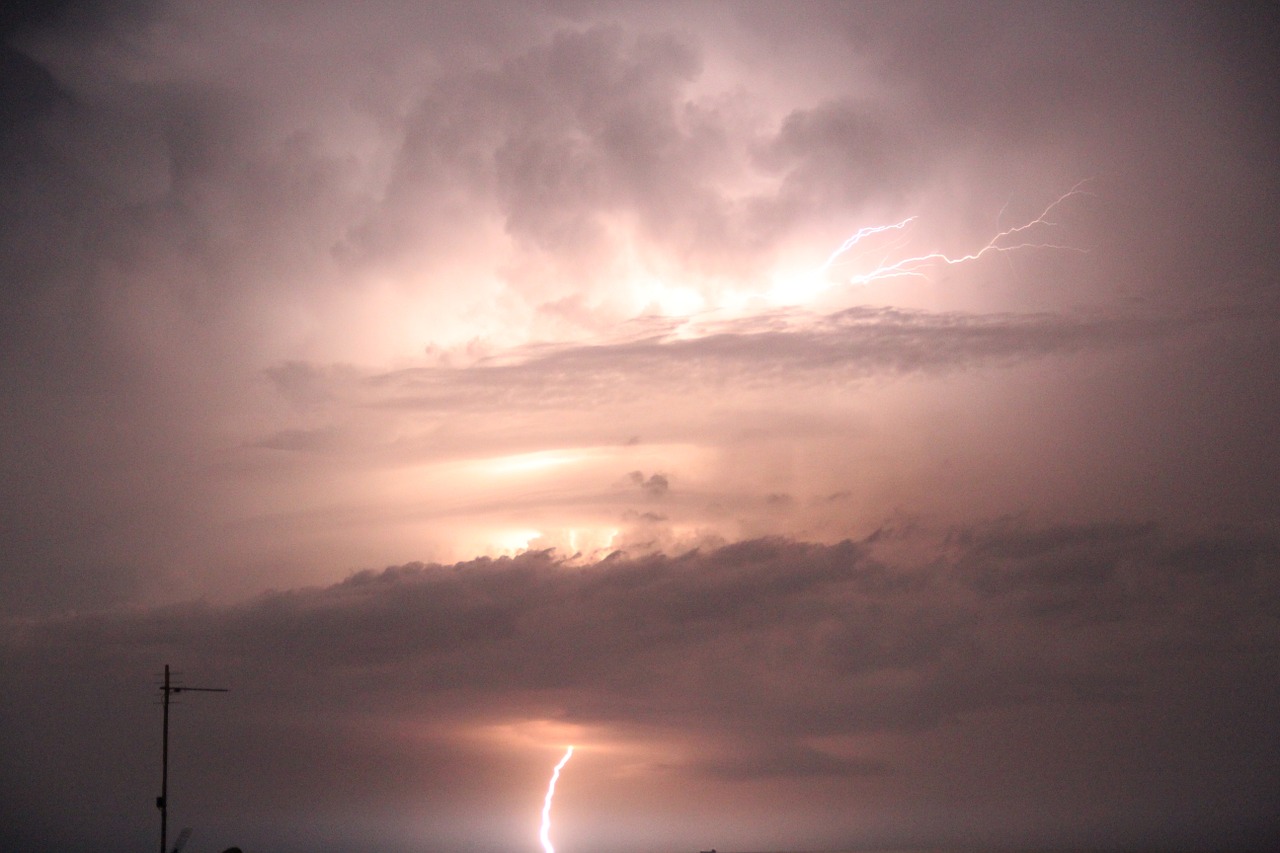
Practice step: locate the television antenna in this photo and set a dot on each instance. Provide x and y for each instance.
(162, 801)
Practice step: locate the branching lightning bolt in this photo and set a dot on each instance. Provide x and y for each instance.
(545, 834)
(913, 266)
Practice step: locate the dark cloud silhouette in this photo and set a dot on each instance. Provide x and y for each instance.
(785, 660)
(655, 486)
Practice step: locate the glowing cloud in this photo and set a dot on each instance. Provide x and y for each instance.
(545, 834)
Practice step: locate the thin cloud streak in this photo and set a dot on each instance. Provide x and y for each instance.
(852, 345)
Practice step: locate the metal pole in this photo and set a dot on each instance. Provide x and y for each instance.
(162, 801)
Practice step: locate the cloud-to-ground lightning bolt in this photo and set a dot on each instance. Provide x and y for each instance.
(912, 266)
(545, 834)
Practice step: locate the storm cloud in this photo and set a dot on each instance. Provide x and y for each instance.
(849, 425)
(766, 659)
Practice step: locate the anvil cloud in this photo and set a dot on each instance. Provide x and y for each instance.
(528, 301)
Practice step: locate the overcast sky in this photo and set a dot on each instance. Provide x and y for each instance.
(849, 425)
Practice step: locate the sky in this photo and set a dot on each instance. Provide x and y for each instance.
(850, 426)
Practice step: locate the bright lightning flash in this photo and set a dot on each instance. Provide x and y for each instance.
(1008, 240)
(545, 834)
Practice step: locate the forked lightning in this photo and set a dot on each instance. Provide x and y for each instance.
(915, 265)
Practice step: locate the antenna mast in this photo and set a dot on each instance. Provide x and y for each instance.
(162, 801)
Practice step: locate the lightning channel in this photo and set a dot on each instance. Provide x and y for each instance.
(1018, 237)
(544, 834)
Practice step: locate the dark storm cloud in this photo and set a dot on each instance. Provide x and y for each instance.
(28, 87)
(763, 648)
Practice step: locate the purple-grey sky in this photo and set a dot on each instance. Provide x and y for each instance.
(966, 534)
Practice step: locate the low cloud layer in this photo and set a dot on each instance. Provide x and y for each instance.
(1118, 660)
